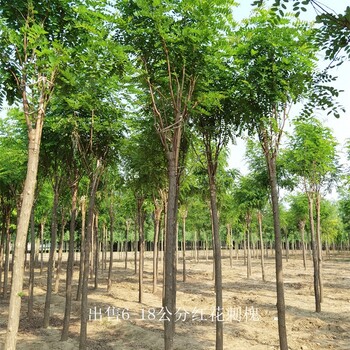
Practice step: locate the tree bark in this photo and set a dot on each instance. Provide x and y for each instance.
(169, 302)
(70, 263)
(82, 249)
(319, 243)
(111, 243)
(87, 247)
(31, 266)
(47, 308)
(141, 218)
(281, 309)
(184, 216)
(34, 136)
(302, 234)
(314, 253)
(261, 246)
(158, 206)
(217, 261)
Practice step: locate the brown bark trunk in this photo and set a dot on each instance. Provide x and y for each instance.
(249, 258)
(261, 246)
(87, 248)
(60, 254)
(7, 251)
(96, 255)
(281, 309)
(82, 250)
(141, 218)
(50, 267)
(31, 268)
(157, 216)
(314, 253)
(169, 302)
(70, 263)
(111, 242)
(302, 234)
(184, 216)
(34, 136)
(217, 260)
(319, 243)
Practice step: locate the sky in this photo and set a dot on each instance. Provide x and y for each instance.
(341, 126)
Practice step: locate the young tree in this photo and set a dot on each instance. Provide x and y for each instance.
(274, 64)
(34, 46)
(172, 42)
(312, 158)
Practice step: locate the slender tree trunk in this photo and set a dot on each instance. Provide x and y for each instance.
(96, 256)
(87, 248)
(314, 253)
(50, 268)
(60, 254)
(140, 218)
(302, 234)
(261, 246)
(135, 244)
(31, 268)
(169, 302)
(7, 252)
(217, 257)
(42, 228)
(127, 228)
(249, 258)
(229, 239)
(70, 262)
(111, 242)
(184, 216)
(319, 243)
(281, 309)
(34, 136)
(82, 247)
(157, 216)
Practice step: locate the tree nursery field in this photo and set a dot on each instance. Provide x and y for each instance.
(118, 321)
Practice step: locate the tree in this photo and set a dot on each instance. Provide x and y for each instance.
(172, 42)
(274, 64)
(299, 214)
(312, 158)
(34, 46)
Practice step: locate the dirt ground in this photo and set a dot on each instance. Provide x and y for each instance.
(118, 321)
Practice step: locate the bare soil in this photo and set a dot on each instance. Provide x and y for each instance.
(118, 321)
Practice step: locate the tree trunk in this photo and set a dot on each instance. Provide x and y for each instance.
(261, 246)
(184, 216)
(52, 254)
(60, 254)
(249, 258)
(127, 228)
(70, 262)
(82, 249)
(314, 253)
(319, 243)
(302, 234)
(34, 136)
(96, 255)
(31, 268)
(87, 247)
(281, 309)
(169, 302)
(217, 256)
(157, 216)
(7, 251)
(111, 242)
(141, 219)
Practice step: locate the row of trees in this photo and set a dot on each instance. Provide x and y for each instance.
(139, 97)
